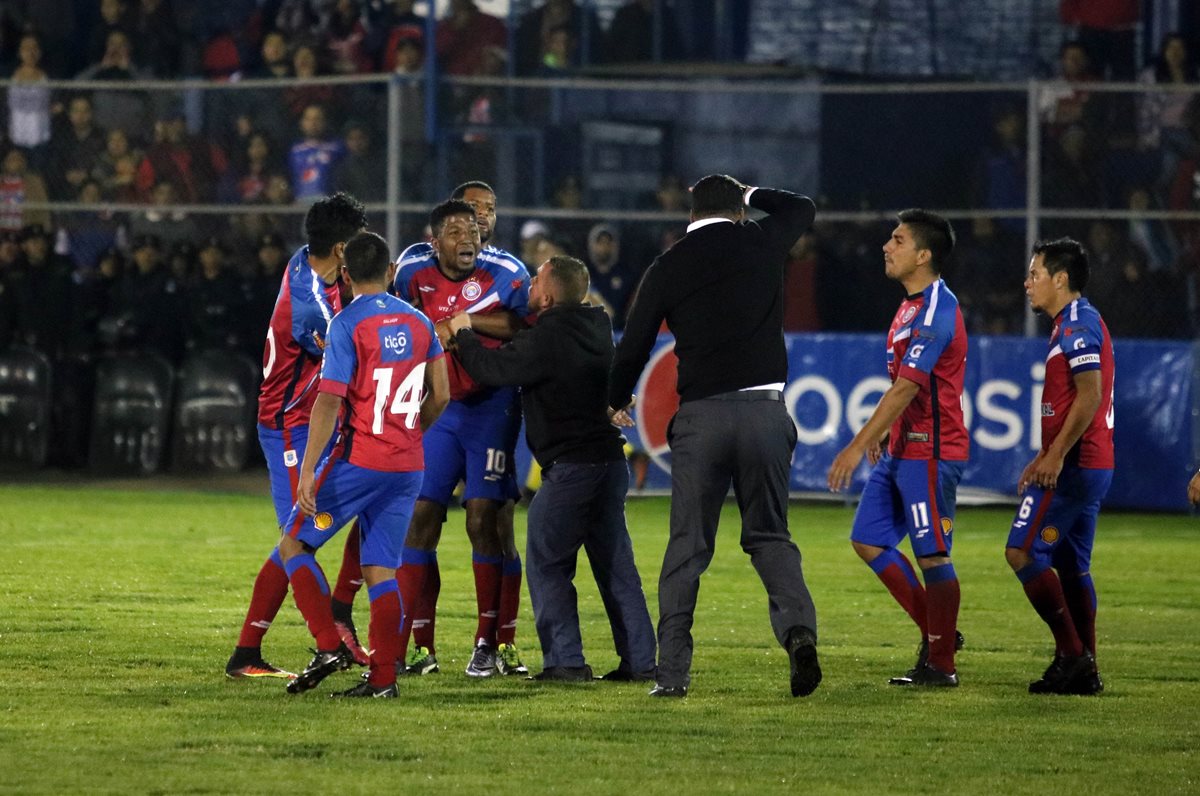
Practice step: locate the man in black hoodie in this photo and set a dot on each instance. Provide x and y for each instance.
(562, 365)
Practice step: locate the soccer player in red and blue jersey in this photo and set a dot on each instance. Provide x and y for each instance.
(913, 487)
(309, 297)
(1050, 543)
(384, 373)
(476, 437)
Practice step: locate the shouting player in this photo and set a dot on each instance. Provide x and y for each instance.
(475, 438)
(913, 486)
(381, 356)
(1062, 487)
(309, 297)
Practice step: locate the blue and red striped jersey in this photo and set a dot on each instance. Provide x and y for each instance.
(1079, 342)
(295, 342)
(375, 359)
(499, 282)
(927, 343)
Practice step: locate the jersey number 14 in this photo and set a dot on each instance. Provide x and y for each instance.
(406, 400)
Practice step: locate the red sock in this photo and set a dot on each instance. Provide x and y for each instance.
(270, 590)
(487, 594)
(941, 586)
(424, 621)
(510, 601)
(897, 574)
(384, 632)
(311, 592)
(349, 579)
(1080, 595)
(1045, 593)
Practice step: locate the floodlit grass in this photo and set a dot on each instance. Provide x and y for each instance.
(118, 610)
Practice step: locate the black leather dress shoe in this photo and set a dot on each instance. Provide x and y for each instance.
(564, 674)
(625, 676)
(668, 690)
(806, 670)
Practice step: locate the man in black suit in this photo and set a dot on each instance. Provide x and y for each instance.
(720, 290)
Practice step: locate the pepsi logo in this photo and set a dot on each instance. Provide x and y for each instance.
(657, 402)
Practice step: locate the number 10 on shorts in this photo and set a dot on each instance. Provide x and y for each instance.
(497, 464)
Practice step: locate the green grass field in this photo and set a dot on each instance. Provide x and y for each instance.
(119, 608)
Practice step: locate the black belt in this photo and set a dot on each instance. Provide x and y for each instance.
(747, 395)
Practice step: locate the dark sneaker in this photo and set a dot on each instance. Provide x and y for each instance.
(923, 658)
(508, 660)
(323, 664)
(620, 675)
(1087, 684)
(928, 676)
(245, 666)
(1064, 674)
(350, 639)
(483, 660)
(565, 674)
(421, 660)
(365, 689)
(668, 691)
(802, 653)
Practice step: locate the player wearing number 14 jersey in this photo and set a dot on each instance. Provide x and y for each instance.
(913, 487)
(1050, 543)
(474, 439)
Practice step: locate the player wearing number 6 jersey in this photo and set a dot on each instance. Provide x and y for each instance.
(1050, 543)
(475, 438)
(913, 487)
(381, 355)
(309, 296)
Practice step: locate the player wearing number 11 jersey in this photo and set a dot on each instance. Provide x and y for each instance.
(1050, 543)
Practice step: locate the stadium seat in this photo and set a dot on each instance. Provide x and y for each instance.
(215, 412)
(131, 415)
(25, 399)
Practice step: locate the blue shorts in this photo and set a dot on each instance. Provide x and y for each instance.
(475, 443)
(909, 497)
(1058, 526)
(284, 451)
(382, 501)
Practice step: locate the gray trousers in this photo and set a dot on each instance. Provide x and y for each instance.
(715, 442)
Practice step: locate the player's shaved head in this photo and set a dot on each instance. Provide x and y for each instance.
(461, 190)
(333, 220)
(448, 208)
(931, 232)
(570, 278)
(367, 258)
(1065, 254)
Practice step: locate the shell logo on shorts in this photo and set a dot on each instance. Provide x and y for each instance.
(947, 526)
(1049, 534)
(322, 521)
(471, 291)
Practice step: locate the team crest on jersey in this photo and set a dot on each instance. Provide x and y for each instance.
(322, 521)
(516, 284)
(471, 290)
(290, 459)
(947, 526)
(908, 314)
(1049, 534)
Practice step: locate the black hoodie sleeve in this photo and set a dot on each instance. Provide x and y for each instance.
(523, 361)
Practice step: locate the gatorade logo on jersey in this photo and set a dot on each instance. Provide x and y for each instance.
(1049, 534)
(657, 403)
(322, 521)
(471, 290)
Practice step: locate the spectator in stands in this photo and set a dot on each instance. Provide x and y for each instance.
(181, 263)
(124, 109)
(612, 277)
(800, 312)
(273, 58)
(270, 259)
(266, 109)
(29, 98)
(1106, 29)
(10, 279)
(362, 173)
(1161, 124)
(989, 283)
(161, 222)
(346, 39)
(1154, 237)
(408, 58)
(1001, 177)
(115, 17)
(1065, 102)
(20, 184)
(314, 157)
(192, 164)
(533, 234)
(298, 99)
(632, 33)
(556, 18)
(146, 315)
(75, 150)
(45, 296)
(215, 303)
(157, 39)
(116, 168)
(465, 35)
(90, 234)
(1070, 173)
(55, 23)
(96, 297)
(390, 22)
(247, 178)
(296, 18)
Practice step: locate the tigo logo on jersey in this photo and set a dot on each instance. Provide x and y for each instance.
(322, 521)
(471, 290)
(1049, 534)
(394, 344)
